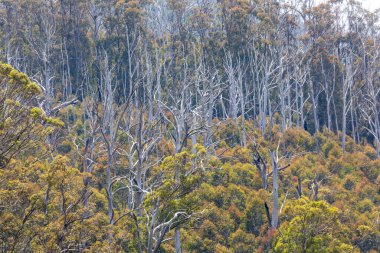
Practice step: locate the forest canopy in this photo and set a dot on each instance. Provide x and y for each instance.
(189, 126)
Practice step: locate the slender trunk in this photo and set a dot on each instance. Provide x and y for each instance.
(177, 232)
(344, 121)
(315, 188)
(301, 108)
(265, 109)
(264, 178)
(328, 108)
(139, 175)
(298, 111)
(152, 225)
(275, 192)
(224, 112)
(299, 187)
(177, 240)
(283, 108)
(377, 132)
(130, 188)
(336, 117)
(267, 212)
(315, 114)
(357, 124)
(194, 136)
(243, 123)
(290, 123)
(353, 131)
(109, 188)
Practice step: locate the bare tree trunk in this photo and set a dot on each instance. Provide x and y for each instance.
(283, 106)
(353, 127)
(242, 105)
(289, 106)
(140, 150)
(299, 187)
(194, 136)
(314, 98)
(275, 191)
(177, 240)
(344, 120)
(329, 92)
(109, 186)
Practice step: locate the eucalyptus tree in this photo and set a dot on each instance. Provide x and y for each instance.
(263, 167)
(42, 41)
(370, 108)
(349, 73)
(236, 93)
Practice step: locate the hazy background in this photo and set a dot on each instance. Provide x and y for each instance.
(368, 4)
(371, 4)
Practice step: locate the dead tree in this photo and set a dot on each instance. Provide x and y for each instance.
(261, 165)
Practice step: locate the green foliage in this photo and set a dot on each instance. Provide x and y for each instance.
(21, 126)
(234, 192)
(226, 191)
(148, 75)
(255, 216)
(242, 242)
(368, 238)
(312, 227)
(41, 208)
(47, 204)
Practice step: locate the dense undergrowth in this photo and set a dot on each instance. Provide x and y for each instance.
(328, 200)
